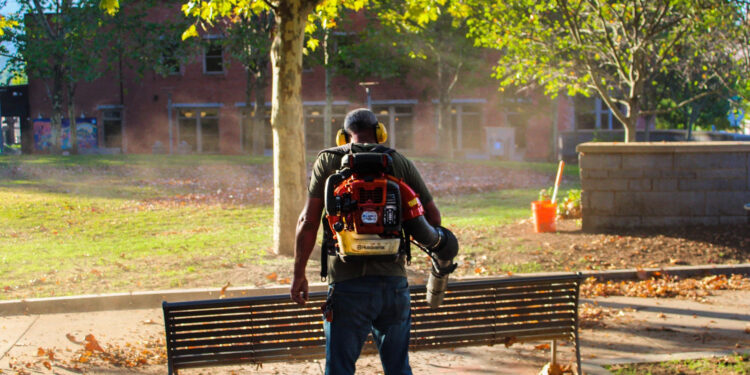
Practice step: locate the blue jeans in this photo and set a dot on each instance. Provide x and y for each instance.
(377, 304)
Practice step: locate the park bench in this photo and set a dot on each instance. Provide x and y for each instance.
(273, 328)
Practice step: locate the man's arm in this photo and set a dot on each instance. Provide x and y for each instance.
(432, 214)
(307, 231)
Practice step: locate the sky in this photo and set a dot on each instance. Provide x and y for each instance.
(11, 6)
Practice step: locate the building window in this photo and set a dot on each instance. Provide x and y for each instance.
(518, 110)
(213, 57)
(198, 130)
(399, 121)
(112, 126)
(314, 129)
(466, 126)
(266, 133)
(592, 113)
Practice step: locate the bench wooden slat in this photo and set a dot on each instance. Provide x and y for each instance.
(255, 331)
(268, 319)
(508, 290)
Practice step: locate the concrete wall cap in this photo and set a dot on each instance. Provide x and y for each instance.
(661, 147)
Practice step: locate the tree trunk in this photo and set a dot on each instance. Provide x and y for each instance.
(259, 117)
(286, 121)
(73, 135)
(247, 120)
(630, 130)
(632, 121)
(327, 133)
(694, 111)
(445, 130)
(57, 111)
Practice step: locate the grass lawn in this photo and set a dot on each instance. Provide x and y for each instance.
(729, 365)
(99, 224)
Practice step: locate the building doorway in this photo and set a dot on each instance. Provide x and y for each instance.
(198, 130)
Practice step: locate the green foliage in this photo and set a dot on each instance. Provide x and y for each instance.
(545, 194)
(570, 207)
(359, 56)
(613, 48)
(248, 39)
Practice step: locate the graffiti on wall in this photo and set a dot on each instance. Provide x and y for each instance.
(86, 132)
(42, 134)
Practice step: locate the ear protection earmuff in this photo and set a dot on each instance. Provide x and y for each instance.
(342, 137)
(381, 135)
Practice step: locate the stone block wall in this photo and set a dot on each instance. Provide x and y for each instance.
(638, 185)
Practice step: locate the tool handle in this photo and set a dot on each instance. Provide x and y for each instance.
(558, 179)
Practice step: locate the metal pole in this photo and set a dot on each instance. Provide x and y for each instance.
(367, 85)
(169, 114)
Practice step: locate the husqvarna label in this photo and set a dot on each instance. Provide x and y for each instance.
(369, 217)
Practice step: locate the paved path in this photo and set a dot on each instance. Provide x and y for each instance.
(640, 329)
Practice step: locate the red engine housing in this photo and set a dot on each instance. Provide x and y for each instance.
(370, 195)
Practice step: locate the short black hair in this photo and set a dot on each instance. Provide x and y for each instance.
(360, 120)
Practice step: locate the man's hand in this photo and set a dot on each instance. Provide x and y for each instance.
(307, 229)
(299, 291)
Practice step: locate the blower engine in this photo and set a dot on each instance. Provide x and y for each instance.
(372, 215)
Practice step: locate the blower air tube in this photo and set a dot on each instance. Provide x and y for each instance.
(443, 247)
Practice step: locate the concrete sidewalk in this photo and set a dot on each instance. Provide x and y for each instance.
(638, 330)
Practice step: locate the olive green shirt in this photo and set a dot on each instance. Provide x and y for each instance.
(328, 163)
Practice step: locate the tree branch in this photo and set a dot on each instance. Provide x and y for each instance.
(42, 19)
(679, 105)
(270, 4)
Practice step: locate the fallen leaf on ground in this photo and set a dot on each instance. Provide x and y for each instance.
(223, 292)
(91, 344)
(509, 341)
(272, 276)
(665, 286)
(149, 321)
(72, 339)
(542, 347)
(555, 369)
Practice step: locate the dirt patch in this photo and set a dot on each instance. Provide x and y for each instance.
(571, 249)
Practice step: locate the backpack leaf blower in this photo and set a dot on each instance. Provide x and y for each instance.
(371, 215)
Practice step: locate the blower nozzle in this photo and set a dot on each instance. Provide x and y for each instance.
(442, 246)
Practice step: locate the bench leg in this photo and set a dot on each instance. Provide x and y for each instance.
(553, 352)
(578, 355)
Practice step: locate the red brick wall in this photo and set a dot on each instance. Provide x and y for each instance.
(145, 103)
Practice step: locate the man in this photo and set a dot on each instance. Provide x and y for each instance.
(367, 295)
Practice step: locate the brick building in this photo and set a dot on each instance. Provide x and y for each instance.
(199, 109)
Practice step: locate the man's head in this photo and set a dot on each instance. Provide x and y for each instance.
(363, 127)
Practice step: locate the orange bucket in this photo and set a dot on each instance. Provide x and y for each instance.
(545, 214)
